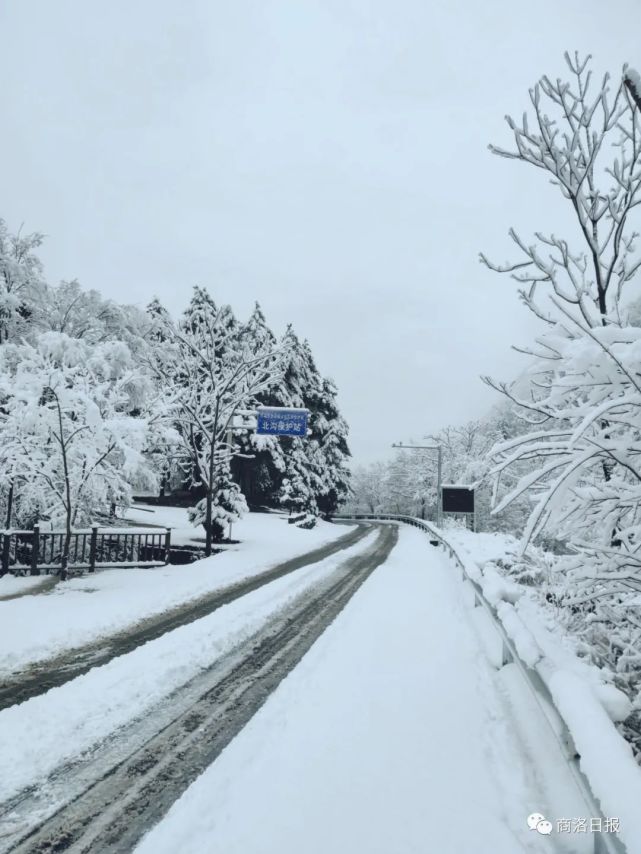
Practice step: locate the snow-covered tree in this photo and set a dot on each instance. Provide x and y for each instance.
(21, 283)
(302, 481)
(228, 505)
(584, 377)
(74, 427)
(298, 490)
(210, 369)
(332, 432)
(261, 464)
(368, 494)
(86, 315)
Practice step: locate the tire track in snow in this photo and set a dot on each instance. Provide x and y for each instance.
(133, 793)
(39, 678)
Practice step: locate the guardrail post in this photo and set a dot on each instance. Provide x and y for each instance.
(569, 746)
(6, 545)
(167, 544)
(506, 655)
(93, 548)
(35, 549)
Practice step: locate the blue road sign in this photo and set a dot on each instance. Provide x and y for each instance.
(280, 421)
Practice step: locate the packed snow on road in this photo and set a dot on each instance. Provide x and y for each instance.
(88, 607)
(395, 733)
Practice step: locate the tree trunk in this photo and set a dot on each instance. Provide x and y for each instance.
(9, 506)
(64, 562)
(210, 485)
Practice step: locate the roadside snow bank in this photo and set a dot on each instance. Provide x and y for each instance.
(524, 641)
(43, 732)
(78, 611)
(606, 758)
(588, 703)
(497, 588)
(483, 546)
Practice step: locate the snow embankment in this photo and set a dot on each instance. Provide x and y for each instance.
(586, 700)
(83, 609)
(40, 734)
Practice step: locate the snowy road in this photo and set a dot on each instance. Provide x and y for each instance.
(355, 705)
(394, 735)
(41, 677)
(90, 607)
(102, 796)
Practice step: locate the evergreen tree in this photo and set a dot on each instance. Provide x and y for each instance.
(302, 482)
(333, 431)
(260, 465)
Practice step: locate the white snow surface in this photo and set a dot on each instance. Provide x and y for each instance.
(586, 700)
(78, 611)
(483, 546)
(10, 585)
(38, 735)
(606, 758)
(393, 734)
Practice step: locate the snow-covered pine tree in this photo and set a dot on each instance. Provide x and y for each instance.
(158, 318)
(332, 432)
(260, 464)
(156, 331)
(302, 482)
(210, 370)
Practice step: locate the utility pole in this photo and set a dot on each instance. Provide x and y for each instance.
(439, 475)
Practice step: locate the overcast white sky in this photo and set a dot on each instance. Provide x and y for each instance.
(326, 157)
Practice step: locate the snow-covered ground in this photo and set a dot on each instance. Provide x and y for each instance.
(83, 609)
(582, 692)
(182, 531)
(18, 585)
(43, 732)
(482, 546)
(394, 734)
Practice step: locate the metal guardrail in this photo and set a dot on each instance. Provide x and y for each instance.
(604, 843)
(38, 550)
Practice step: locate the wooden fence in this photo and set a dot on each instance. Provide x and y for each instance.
(38, 550)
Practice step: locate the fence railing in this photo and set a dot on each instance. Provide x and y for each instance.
(38, 550)
(604, 843)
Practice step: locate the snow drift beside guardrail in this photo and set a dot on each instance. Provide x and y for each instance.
(605, 767)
